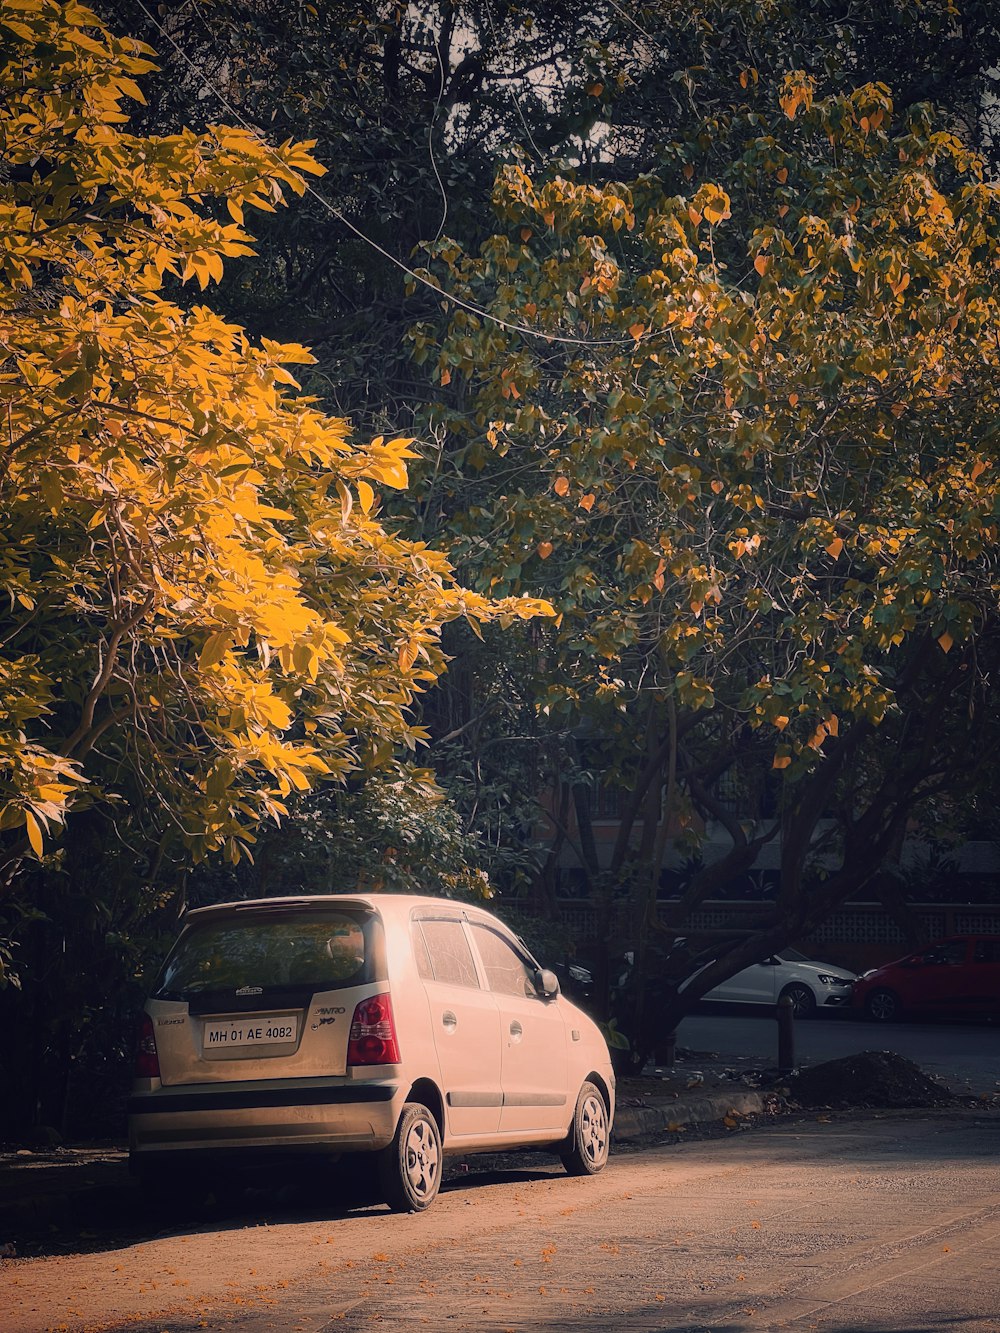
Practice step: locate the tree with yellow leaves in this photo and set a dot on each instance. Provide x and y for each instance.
(201, 611)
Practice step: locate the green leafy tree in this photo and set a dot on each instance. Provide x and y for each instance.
(750, 455)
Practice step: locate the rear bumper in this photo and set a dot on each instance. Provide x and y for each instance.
(331, 1116)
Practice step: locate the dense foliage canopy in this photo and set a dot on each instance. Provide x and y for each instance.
(679, 316)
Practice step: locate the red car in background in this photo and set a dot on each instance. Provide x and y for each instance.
(957, 977)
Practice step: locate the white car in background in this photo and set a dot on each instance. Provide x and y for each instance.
(808, 984)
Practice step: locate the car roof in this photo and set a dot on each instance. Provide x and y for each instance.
(392, 904)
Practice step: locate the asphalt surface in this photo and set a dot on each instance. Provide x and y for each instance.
(881, 1224)
(965, 1055)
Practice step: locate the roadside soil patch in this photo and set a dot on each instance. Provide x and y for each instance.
(870, 1079)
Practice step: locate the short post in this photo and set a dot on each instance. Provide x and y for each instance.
(785, 1014)
(667, 1051)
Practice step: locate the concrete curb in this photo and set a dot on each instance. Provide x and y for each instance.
(634, 1123)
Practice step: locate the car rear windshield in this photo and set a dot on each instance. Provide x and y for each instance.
(267, 951)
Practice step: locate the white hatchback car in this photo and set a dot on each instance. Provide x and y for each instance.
(808, 984)
(400, 1026)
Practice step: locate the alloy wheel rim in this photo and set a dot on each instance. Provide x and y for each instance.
(800, 1002)
(423, 1159)
(593, 1129)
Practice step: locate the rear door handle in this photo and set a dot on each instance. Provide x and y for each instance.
(449, 1021)
(516, 1031)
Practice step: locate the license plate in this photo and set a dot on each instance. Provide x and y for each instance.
(256, 1031)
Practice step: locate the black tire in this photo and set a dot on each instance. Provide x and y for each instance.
(802, 998)
(409, 1169)
(882, 1006)
(589, 1140)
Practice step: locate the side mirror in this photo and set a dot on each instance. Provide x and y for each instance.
(547, 982)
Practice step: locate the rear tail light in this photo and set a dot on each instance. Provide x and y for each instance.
(373, 1033)
(147, 1062)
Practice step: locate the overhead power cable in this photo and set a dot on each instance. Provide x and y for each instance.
(512, 326)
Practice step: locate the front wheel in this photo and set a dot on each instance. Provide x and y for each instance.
(802, 998)
(882, 1006)
(409, 1169)
(590, 1136)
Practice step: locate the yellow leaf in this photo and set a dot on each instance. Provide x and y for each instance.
(793, 398)
(717, 207)
(391, 474)
(34, 833)
(693, 214)
(761, 263)
(587, 501)
(781, 721)
(215, 648)
(637, 330)
(346, 500)
(945, 641)
(832, 725)
(717, 487)
(782, 175)
(781, 760)
(366, 496)
(544, 550)
(835, 548)
(561, 485)
(446, 376)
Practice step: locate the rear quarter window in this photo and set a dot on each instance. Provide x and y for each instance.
(302, 950)
(448, 953)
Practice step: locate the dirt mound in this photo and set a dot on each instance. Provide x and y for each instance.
(873, 1078)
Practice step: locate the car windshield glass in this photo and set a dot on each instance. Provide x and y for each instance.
(793, 956)
(271, 952)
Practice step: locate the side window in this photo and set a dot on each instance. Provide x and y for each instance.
(420, 954)
(987, 951)
(506, 971)
(952, 952)
(448, 953)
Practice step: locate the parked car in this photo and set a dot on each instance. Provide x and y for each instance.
(808, 984)
(402, 1027)
(959, 976)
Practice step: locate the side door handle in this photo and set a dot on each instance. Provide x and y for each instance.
(516, 1031)
(449, 1021)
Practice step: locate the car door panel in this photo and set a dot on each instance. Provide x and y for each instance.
(465, 1026)
(533, 1037)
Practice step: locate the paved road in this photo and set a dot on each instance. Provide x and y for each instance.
(885, 1225)
(965, 1055)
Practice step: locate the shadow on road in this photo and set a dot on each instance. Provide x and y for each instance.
(85, 1202)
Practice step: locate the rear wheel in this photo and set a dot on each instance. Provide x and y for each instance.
(409, 1169)
(802, 998)
(883, 1006)
(590, 1137)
